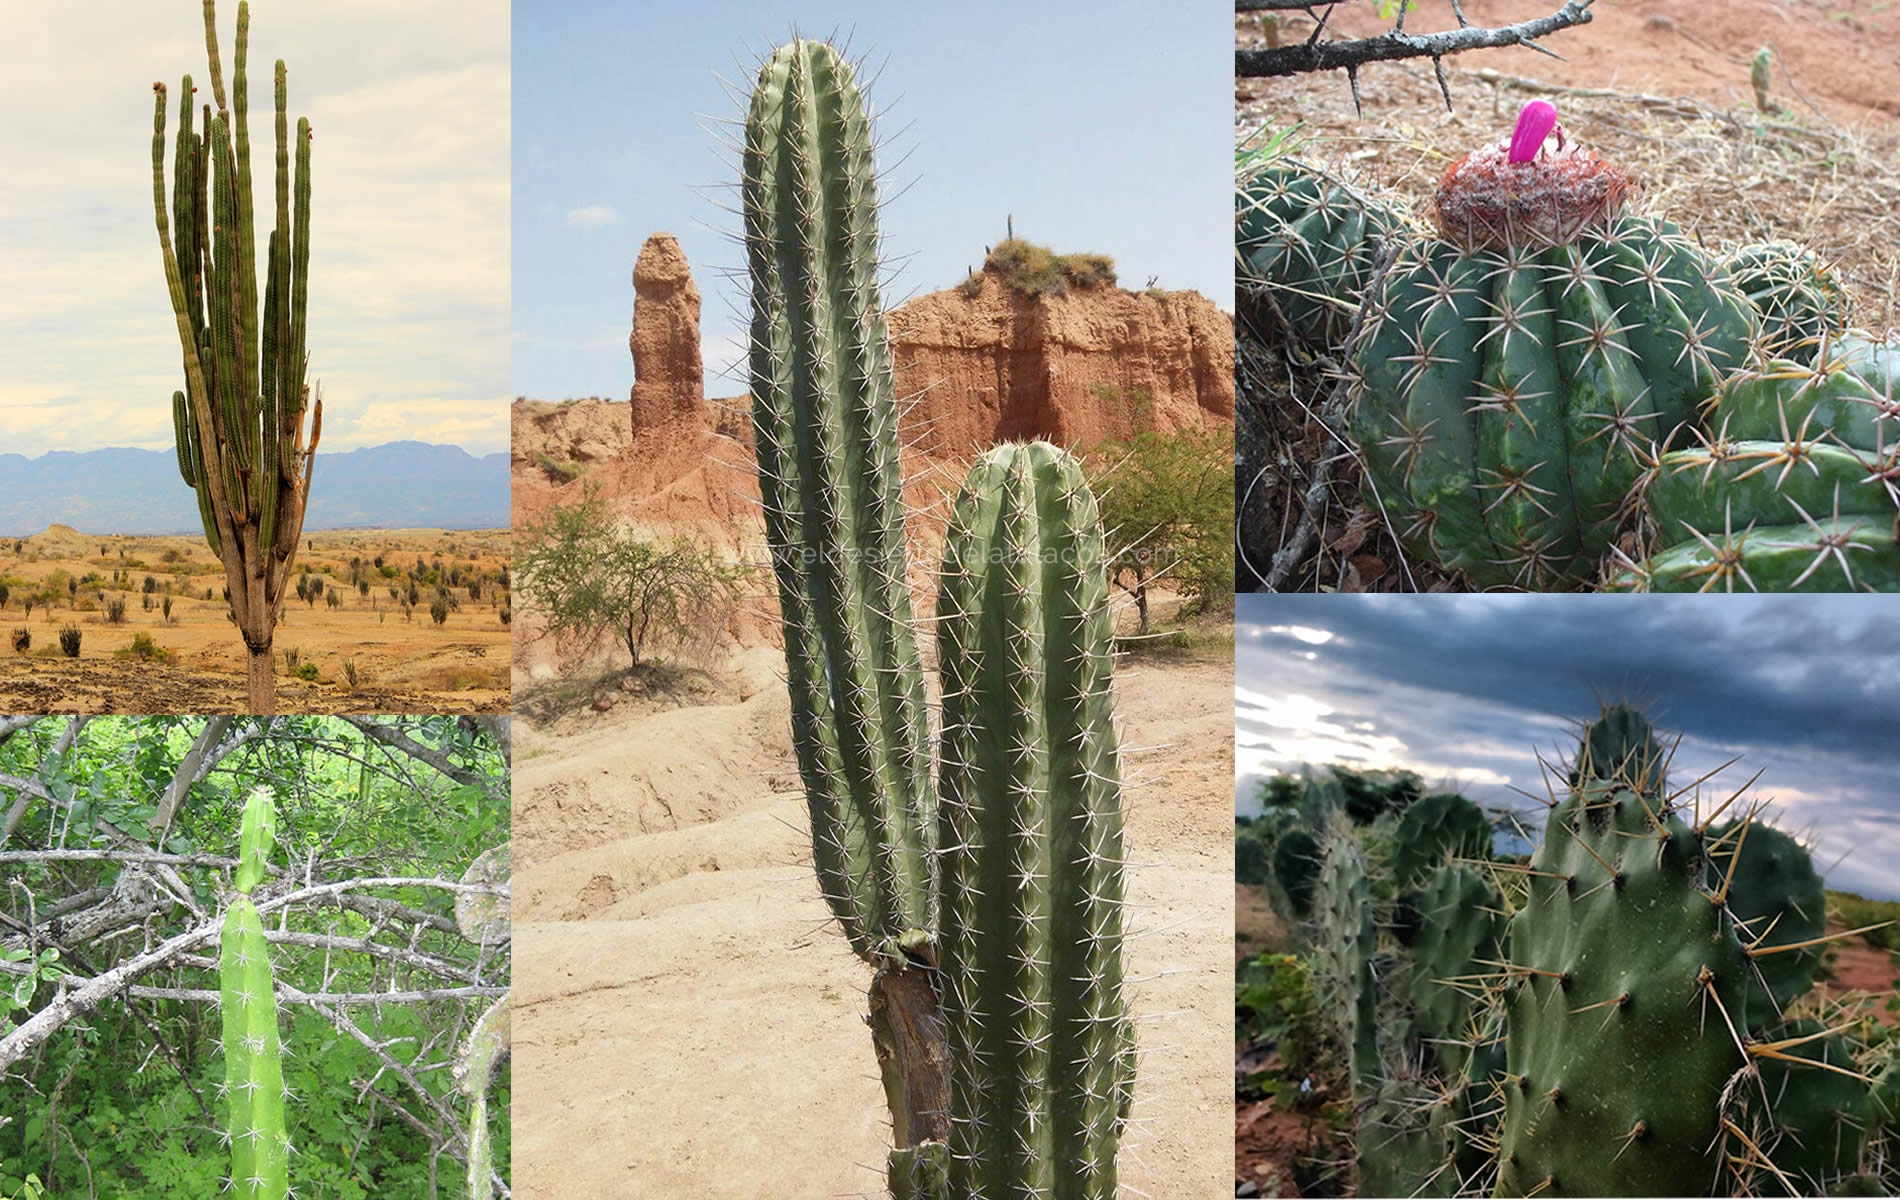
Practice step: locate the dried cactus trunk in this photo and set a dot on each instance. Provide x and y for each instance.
(253, 1056)
(239, 423)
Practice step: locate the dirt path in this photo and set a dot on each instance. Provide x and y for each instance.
(688, 1022)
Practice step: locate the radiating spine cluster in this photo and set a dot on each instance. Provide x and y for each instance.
(993, 916)
(239, 423)
(1798, 296)
(253, 1056)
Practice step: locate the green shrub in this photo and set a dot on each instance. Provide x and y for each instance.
(69, 641)
(1037, 271)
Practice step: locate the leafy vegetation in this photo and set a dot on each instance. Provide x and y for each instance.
(1167, 502)
(117, 842)
(590, 574)
(1038, 271)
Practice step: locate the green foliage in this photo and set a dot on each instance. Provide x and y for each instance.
(560, 470)
(1167, 502)
(1274, 1001)
(1037, 271)
(69, 641)
(306, 671)
(1858, 912)
(149, 1119)
(590, 574)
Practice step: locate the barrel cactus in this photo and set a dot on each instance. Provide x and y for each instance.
(1795, 293)
(1310, 238)
(988, 900)
(253, 1055)
(1514, 374)
(1796, 487)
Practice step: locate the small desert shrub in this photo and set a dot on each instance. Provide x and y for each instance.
(145, 601)
(439, 608)
(165, 608)
(3, 595)
(69, 641)
(22, 640)
(307, 672)
(115, 610)
(150, 585)
(566, 472)
(349, 672)
(172, 556)
(145, 649)
(1037, 271)
(506, 616)
(291, 655)
(332, 600)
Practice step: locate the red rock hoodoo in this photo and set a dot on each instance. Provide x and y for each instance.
(668, 380)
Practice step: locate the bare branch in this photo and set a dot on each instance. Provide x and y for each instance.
(1389, 47)
(396, 739)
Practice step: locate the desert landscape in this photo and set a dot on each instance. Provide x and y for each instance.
(684, 968)
(153, 632)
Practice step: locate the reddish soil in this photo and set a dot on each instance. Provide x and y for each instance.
(1865, 969)
(1266, 1141)
(1840, 56)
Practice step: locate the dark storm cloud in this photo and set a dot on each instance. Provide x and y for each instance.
(1470, 688)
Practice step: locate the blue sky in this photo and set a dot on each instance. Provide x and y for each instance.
(1467, 690)
(1103, 126)
(409, 222)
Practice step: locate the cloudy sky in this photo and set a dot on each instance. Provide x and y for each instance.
(1101, 125)
(409, 225)
(1466, 690)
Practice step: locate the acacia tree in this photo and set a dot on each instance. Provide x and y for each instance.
(383, 919)
(587, 573)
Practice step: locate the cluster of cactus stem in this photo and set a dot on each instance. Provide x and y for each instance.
(1796, 293)
(1310, 239)
(253, 1055)
(1627, 1011)
(1794, 488)
(988, 899)
(239, 422)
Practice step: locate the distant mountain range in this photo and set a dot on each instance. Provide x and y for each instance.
(401, 485)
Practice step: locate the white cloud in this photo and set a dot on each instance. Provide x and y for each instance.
(592, 216)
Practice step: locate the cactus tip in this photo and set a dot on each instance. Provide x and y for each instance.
(1534, 123)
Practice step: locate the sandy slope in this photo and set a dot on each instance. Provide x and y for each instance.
(689, 1024)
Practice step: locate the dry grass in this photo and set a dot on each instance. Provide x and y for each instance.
(1727, 177)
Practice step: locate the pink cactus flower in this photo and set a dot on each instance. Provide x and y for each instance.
(1534, 124)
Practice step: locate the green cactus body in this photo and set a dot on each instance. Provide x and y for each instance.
(1810, 1122)
(825, 423)
(1296, 871)
(1777, 899)
(253, 1057)
(1620, 747)
(1796, 489)
(1797, 296)
(1507, 398)
(239, 423)
(1435, 828)
(1031, 945)
(1311, 239)
(1460, 939)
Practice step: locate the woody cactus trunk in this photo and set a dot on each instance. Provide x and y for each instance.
(239, 423)
(992, 919)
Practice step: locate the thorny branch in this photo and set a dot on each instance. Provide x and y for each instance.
(1349, 55)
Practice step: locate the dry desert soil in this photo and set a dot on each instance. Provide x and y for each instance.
(403, 663)
(688, 1021)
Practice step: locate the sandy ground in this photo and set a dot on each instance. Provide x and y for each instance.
(687, 1021)
(402, 664)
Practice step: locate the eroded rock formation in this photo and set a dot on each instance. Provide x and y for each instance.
(668, 379)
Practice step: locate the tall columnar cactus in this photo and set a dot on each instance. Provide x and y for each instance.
(1513, 376)
(1795, 488)
(1310, 239)
(993, 920)
(239, 422)
(1031, 830)
(253, 1057)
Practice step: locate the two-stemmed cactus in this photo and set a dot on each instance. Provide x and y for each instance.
(253, 1055)
(989, 900)
(239, 422)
